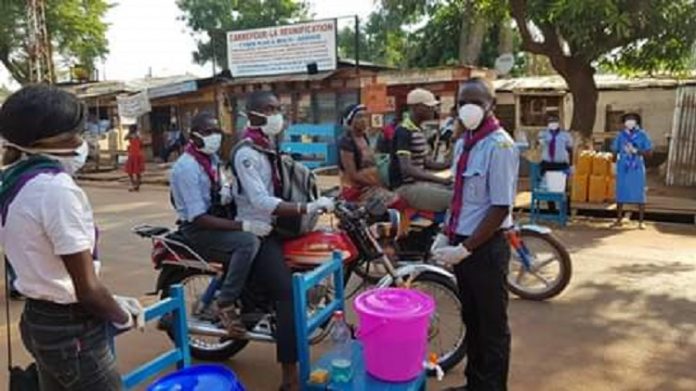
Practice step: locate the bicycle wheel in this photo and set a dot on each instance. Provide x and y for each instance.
(549, 272)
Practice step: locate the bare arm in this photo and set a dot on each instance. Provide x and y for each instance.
(410, 170)
(433, 165)
(90, 292)
(365, 177)
(488, 227)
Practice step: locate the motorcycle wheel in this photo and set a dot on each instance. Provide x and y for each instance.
(202, 347)
(446, 331)
(551, 268)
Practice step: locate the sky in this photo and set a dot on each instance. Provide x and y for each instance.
(145, 34)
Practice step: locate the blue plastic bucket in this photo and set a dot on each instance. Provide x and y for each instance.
(199, 378)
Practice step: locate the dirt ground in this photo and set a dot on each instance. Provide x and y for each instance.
(626, 322)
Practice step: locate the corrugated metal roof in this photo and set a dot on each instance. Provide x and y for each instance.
(280, 78)
(91, 90)
(604, 82)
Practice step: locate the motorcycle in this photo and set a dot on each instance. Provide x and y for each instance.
(540, 268)
(356, 238)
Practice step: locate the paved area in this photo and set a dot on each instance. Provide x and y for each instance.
(626, 322)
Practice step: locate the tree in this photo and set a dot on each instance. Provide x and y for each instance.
(215, 18)
(76, 29)
(469, 20)
(627, 36)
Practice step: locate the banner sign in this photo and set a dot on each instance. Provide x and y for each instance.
(283, 49)
(133, 106)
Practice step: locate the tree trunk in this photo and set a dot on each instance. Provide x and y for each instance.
(477, 33)
(505, 37)
(464, 38)
(580, 79)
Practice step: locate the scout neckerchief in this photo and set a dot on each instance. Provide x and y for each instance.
(205, 161)
(552, 144)
(489, 126)
(16, 176)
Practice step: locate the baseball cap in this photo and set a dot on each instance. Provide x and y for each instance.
(422, 97)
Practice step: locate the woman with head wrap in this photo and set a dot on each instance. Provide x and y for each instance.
(360, 179)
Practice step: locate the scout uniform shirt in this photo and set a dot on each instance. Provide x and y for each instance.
(489, 180)
(564, 142)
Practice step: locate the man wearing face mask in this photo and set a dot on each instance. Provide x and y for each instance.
(485, 167)
(48, 234)
(556, 149)
(631, 146)
(408, 171)
(195, 187)
(258, 198)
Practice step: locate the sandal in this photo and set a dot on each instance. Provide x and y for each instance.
(232, 321)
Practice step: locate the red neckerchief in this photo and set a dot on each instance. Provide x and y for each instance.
(205, 161)
(258, 138)
(489, 126)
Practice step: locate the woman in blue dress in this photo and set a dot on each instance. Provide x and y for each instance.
(631, 146)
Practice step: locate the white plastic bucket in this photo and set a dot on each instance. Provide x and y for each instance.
(556, 181)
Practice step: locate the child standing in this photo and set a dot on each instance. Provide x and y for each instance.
(135, 165)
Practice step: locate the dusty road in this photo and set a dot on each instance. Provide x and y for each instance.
(627, 321)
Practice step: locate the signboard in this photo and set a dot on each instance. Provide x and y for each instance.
(283, 49)
(374, 96)
(133, 106)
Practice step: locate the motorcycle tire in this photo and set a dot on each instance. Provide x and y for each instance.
(454, 357)
(220, 354)
(565, 265)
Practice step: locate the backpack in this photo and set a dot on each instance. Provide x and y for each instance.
(298, 184)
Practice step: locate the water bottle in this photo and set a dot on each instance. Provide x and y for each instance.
(341, 364)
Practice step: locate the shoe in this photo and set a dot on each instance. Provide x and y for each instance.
(641, 226)
(230, 318)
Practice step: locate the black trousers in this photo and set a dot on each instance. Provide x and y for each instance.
(481, 279)
(548, 166)
(270, 273)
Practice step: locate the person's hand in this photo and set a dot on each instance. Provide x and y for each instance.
(441, 240)
(225, 195)
(257, 228)
(451, 255)
(322, 205)
(135, 311)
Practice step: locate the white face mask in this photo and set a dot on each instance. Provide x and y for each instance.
(630, 124)
(274, 123)
(211, 143)
(72, 164)
(471, 115)
(554, 126)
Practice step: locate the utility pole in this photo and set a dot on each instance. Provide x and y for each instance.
(40, 50)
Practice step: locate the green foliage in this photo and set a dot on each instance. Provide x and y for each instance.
(625, 36)
(76, 29)
(213, 18)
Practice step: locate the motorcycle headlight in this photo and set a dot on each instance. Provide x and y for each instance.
(389, 229)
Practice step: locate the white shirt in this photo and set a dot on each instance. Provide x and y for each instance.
(255, 200)
(51, 216)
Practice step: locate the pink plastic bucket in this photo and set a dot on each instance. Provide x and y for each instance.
(393, 328)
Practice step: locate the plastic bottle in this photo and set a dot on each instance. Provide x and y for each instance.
(341, 364)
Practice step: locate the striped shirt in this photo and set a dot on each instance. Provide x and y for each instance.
(409, 140)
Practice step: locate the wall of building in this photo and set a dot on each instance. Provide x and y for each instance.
(656, 106)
